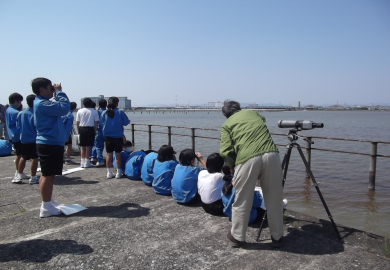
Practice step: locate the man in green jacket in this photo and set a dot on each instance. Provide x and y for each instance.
(247, 146)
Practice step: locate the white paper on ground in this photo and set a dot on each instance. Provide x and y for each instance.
(69, 209)
(261, 193)
(65, 172)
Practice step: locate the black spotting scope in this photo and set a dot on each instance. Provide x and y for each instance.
(299, 124)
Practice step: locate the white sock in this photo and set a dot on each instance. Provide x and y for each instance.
(19, 175)
(46, 205)
(109, 170)
(119, 171)
(16, 173)
(82, 160)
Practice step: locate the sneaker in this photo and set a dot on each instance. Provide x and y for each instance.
(233, 242)
(16, 180)
(23, 176)
(93, 160)
(110, 175)
(98, 164)
(51, 211)
(54, 204)
(285, 203)
(277, 243)
(87, 164)
(119, 174)
(33, 180)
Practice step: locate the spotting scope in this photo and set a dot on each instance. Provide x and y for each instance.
(299, 124)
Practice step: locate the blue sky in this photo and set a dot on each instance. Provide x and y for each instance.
(318, 52)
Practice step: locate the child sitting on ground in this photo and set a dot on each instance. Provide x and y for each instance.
(147, 168)
(185, 178)
(163, 170)
(229, 193)
(210, 183)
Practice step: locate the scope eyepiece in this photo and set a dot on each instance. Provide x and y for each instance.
(299, 124)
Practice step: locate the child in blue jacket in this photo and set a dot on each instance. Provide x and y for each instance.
(68, 122)
(147, 168)
(112, 122)
(97, 150)
(185, 178)
(163, 170)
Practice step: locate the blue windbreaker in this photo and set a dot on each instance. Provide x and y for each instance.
(10, 118)
(133, 165)
(26, 126)
(68, 122)
(147, 168)
(47, 117)
(100, 127)
(163, 174)
(124, 158)
(229, 200)
(185, 183)
(113, 127)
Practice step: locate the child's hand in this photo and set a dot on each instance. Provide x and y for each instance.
(198, 155)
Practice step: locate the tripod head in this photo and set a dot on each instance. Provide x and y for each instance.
(292, 136)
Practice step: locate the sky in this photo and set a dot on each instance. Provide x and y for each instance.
(195, 52)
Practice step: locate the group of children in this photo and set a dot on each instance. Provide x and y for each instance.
(188, 184)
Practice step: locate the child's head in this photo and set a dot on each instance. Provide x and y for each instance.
(15, 99)
(73, 106)
(112, 104)
(214, 163)
(228, 186)
(102, 103)
(187, 157)
(30, 100)
(165, 153)
(88, 103)
(127, 146)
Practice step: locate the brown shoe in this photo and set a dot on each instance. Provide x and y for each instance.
(233, 242)
(277, 243)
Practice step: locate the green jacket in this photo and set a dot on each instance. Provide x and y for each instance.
(243, 136)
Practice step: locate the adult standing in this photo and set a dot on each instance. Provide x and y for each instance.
(247, 146)
(49, 105)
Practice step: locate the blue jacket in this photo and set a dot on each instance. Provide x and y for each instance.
(185, 183)
(26, 126)
(163, 174)
(124, 158)
(113, 127)
(134, 164)
(10, 118)
(229, 200)
(147, 168)
(47, 117)
(68, 122)
(5, 148)
(100, 127)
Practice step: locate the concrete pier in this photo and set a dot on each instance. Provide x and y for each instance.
(128, 226)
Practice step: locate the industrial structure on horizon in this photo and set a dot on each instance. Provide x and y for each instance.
(124, 103)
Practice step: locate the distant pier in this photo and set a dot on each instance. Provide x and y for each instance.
(199, 109)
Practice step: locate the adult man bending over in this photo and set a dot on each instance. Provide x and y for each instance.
(247, 146)
(51, 137)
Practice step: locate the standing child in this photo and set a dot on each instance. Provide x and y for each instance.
(87, 120)
(28, 136)
(98, 146)
(68, 121)
(185, 178)
(112, 122)
(15, 102)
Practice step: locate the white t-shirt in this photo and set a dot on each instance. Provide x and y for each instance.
(87, 117)
(210, 186)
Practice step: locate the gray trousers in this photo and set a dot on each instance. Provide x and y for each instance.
(267, 168)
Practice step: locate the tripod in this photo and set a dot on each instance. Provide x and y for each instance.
(293, 137)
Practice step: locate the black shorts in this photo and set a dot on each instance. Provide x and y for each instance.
(18, 148)
(51, 159)
(87, 136)
(214, 208)
(114, 144)
(29, 151)
(69, 140)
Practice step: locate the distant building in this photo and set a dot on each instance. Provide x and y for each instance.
(336, 107)
(310, 107)
(124, 103)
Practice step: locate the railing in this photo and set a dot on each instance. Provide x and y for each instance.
(373, 154)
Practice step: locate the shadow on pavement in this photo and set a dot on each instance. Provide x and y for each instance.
(125, 210)
(63, 180)
(40, 251)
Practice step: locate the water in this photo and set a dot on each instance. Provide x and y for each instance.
(343, 178)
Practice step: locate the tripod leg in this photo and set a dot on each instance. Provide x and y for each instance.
(318, 189)
(286, 161)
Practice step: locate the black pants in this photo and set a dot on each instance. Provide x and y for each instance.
(215, 208)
